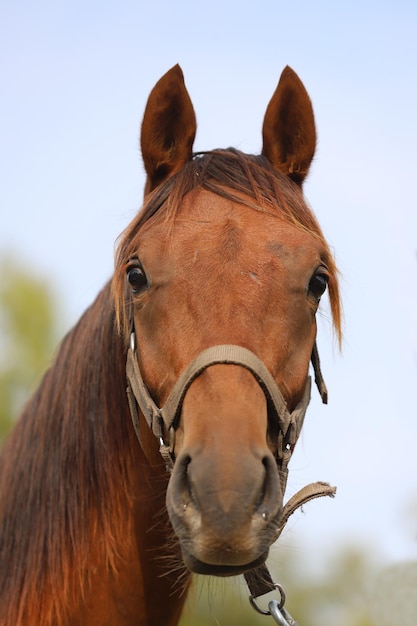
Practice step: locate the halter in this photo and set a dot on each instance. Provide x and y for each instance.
(165, 419)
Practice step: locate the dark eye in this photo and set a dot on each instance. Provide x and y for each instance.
(136, 277)
(318, 285)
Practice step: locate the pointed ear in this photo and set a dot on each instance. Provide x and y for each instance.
(289, 133)
(168, 129)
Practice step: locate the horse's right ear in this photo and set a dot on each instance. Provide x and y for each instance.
(168, 129)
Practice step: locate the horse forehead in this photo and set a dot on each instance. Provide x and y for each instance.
(224, 216)
(207, 223)
(208, 228)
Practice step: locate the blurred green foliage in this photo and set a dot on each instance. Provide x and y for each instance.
(28, 335)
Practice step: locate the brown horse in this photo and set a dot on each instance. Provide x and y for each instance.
(216, 287)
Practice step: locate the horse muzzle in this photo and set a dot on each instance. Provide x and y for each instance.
(225, 493)
(224, 530)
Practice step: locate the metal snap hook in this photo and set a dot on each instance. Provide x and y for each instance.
(276, 609)
(281, 615)
(278, 587)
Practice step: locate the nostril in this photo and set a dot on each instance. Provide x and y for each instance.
(188, 486)
(184, 461)
(180, 489)
(270, 499)
(258, 505)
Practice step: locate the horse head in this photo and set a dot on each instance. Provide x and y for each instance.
(220, 277)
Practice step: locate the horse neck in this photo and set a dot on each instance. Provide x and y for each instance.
(71, 477)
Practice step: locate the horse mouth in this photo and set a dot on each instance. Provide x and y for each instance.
(209, 569)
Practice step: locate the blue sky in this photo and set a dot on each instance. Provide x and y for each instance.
(74, 82)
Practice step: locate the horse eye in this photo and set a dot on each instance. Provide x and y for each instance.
(136, 278)
(318, 285)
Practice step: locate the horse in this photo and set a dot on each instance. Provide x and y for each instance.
(209, 322)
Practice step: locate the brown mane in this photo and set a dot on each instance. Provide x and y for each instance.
(227, 173)
(63, 474)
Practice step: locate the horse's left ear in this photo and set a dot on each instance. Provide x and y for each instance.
(168, 128)
(289, 132)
